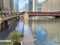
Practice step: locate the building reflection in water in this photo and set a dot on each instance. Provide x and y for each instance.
(40, 36)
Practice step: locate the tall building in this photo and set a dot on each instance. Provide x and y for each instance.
(1, 3)
(16, 5)
(26, 7)
(39, 7)
(34, 6)
(50, 6)
(30, 7)
(9, 4)
(6, 4)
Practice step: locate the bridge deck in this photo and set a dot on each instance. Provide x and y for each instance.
(41, 13)
(9, 17)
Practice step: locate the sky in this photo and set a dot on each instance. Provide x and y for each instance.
(22, 3)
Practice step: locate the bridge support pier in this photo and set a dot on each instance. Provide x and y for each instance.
(8, 23)
(3, 25)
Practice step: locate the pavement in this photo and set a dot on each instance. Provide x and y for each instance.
(28, 38)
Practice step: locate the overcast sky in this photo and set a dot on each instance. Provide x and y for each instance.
(22, 3)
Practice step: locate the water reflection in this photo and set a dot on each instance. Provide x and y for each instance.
(20, 27)
(40, 36)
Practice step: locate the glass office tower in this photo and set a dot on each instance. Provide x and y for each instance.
(16, 5)
(30, 6)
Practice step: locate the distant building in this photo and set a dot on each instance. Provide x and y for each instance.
(9, 4)
(50, 6)
(39, 7)
(16, 5)
(1, 3)
(6, 4)
(26, 7)
(32, 6)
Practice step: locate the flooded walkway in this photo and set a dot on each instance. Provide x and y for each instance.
(28, 38)
(41, 33)
(24, 30)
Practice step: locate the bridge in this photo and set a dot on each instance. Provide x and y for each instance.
(11, 17)
(41, 13)
(7, 18)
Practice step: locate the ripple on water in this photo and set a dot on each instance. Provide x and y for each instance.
(20, 27)
(42, 39)
(40, 36)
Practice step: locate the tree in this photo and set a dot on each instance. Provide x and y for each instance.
(16, 38)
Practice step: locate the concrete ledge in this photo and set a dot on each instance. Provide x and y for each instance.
(5, 41)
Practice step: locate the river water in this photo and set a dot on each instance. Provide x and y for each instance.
(46, 32)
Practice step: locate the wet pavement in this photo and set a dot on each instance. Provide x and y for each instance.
(28, 38)
(24, 30)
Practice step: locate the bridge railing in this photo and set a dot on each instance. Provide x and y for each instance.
(44, 13)
(8, 14)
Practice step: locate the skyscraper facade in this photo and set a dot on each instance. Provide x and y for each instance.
(6, 4)
(16, 5)
(34, 6)
(39, 7)
(30, 6)
(26, 7)
(1, 3)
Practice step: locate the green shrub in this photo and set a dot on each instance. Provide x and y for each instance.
(15, 37)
